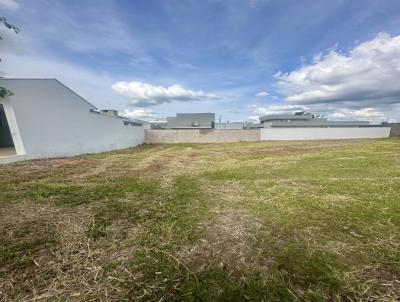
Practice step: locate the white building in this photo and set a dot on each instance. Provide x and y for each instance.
(230, 125)
(191, 121)
(307, 126)
(44, 118)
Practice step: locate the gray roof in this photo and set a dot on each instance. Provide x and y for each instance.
(306, 119)
(276, 117)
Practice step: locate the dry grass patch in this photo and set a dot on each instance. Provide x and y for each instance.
(264, 221)
(226, 244)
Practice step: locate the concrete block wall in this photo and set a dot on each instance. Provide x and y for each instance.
(200, 136)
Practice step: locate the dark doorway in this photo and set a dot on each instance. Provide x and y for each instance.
(6, 141)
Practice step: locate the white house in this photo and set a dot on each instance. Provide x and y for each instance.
(44, 118)
(307, 126)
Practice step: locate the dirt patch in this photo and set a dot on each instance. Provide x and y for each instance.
(148, 169)
(301, 149)
(387, 279)
(27, 245)
(152, 168)
(336, 200)
(62, 162)
(227, 243)
(46, 253)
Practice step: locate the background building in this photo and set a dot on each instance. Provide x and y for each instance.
(305, 119)
(44, 118)
(191, 121)
(308, 126)
(230, 125)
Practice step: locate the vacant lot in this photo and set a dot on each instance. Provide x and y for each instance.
(224, 222)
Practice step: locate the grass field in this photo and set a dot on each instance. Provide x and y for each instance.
(265, 221)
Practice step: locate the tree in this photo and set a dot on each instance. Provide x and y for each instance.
(4, 91)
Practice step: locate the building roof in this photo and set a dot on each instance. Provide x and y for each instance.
(276, 117)
(305, 119)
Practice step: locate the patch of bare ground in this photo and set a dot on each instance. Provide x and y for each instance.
(158, 162)
(336, 199)
(90, 269)
(387, 278)
(47, 255)
(382, 278)
(91, 172)
(382, 281)
(167, 167)
(227, 243)
(181, 164)
(66, 162)
(227, 240)
(303, 148)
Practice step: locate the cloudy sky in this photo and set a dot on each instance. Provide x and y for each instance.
(238, 58)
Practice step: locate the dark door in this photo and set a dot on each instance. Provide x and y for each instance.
(5, 134)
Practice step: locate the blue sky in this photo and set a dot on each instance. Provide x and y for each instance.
(153, 58)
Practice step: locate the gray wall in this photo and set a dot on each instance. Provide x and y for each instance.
(395, 129)
(200, 136)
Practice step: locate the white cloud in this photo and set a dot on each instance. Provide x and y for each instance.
(254, 118)
(275, 109)
(9, 4)
(332, 112)
(367, 75)
(365, 113)
(360, 84)
(140, 113)
(279, 109)
(262, 94)
(143, 94)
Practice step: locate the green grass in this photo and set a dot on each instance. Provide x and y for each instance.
(266, 221)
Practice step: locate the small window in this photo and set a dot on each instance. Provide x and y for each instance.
(127, 123)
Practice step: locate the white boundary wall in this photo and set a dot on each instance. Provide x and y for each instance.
(200, 136)
(47, 119)
(323, 133)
